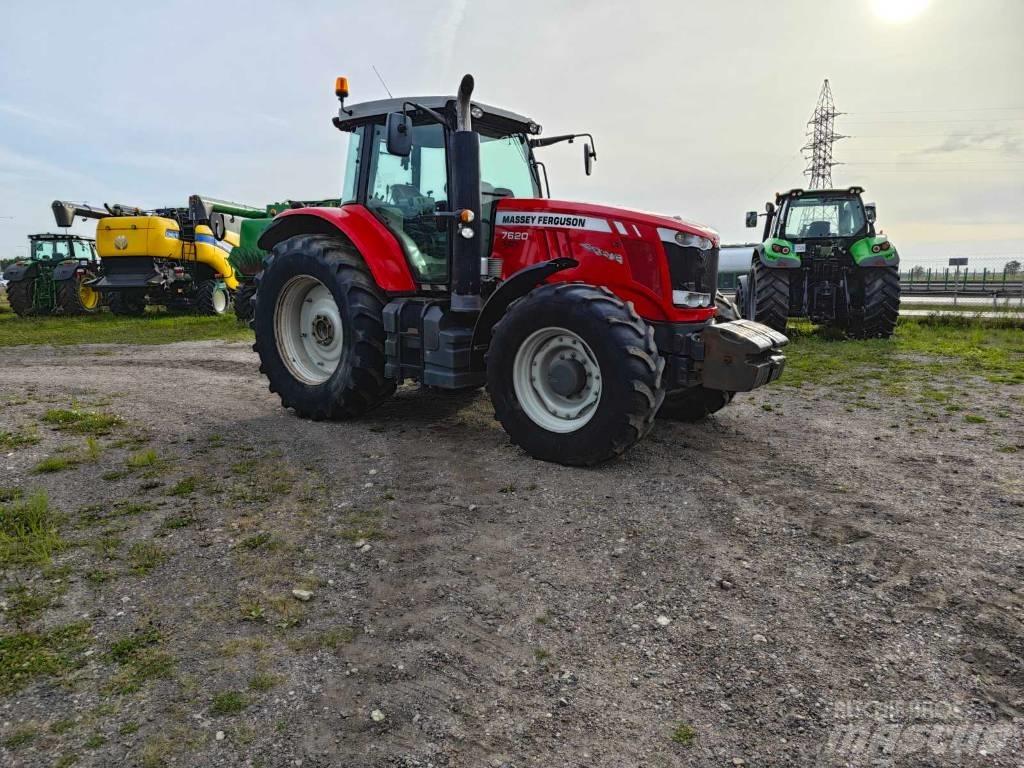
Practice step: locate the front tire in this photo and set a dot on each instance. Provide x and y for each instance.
(19, 296)
(319, 322)
(243, 301)
(212, 298)
(74, 297)
(574, 374)
(880, 291)
(769, 296)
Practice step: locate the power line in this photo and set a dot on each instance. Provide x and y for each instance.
(943, 109)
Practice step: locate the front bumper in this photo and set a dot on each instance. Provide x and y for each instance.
(735, 356)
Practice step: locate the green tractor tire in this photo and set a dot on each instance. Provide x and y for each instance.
(769, 296)
(74, 297)
(19, 296)
(880, 290)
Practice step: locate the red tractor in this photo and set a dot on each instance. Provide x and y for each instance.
(448, 265)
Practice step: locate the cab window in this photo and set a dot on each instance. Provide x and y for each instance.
(405, 192)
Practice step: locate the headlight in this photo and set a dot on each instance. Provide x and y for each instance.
(687, 240)
(691, 299)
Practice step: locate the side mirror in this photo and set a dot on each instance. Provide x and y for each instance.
(589, 156)
(751, 218)
(769, 208)
(399, 131)
(218, 226)
(870, 212)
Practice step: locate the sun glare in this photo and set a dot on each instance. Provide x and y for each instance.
(898, 11)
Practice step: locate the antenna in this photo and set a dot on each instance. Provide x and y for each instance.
(382, 82)
(818, 151)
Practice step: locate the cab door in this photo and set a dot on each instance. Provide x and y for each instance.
(406, 192)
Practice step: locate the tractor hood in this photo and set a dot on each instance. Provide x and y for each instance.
(616, 219)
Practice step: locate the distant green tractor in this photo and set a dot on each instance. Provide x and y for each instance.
(247, 258)
(822, 259)
(54, 279)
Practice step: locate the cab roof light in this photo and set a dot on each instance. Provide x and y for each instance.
(341, 87)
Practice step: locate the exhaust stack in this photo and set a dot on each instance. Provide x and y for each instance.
(466, 248)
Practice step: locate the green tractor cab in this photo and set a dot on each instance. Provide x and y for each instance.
(55, 278)
(822, 259)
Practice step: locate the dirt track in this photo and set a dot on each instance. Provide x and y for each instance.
(821, 566)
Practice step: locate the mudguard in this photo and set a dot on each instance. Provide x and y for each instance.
(378, 247)
(19, 271)
(741, 355)
(864, 252)
(515, 287)
(773, 260)
(65, 270)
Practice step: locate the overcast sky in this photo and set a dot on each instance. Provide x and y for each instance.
(698, 108)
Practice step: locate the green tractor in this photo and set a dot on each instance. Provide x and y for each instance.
(247, 258)
(822, 259)
(55, 278)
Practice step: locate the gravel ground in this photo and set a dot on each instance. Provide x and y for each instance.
(810, 578)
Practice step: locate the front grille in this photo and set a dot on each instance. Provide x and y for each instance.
(692, 269)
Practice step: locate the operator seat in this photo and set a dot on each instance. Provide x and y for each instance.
(819, 229)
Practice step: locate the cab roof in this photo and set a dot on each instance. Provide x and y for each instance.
(819, 192)
(354, 115)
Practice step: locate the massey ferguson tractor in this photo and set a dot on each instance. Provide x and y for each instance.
(445, 264)
(821, 259)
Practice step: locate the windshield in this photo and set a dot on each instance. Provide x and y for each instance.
(808, 217)
(50, 249)
(505, 168)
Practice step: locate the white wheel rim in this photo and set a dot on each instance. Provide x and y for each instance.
(309, 330)
(220, 301)
(537, 360)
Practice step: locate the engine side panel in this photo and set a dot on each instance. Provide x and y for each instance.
(616, 249)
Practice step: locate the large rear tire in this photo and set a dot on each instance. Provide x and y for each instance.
(769, 296)
(212, 298)
(19, 296)
(574, 374)
(319, 322)
(74, 297)
(128, 303)
(880, 288)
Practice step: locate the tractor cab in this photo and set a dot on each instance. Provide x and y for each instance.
(410, 193)
(61, 248)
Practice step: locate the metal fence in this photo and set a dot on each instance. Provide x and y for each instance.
(951, 281)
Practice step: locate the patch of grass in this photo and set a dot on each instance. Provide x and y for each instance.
(177, 521)
(155, 327)
(184, 487)
(24, 605)
(62, 726)
(973, 418)
(66, 761)
(144, 556)
(142, 459)
(327, 640)
(127, 648)
(55, 464)
(28, 531)
(10, 494)
(684, 734)
(263, 681)
(540, 654)
(80, 422)
(25, 656)
(252, 610)
(19, 438)
(363, 524)
(143, 665)
(99, 576)
(256, 541)
(228, 703)
(128, 728)
(95, 741)
(114, 474)
(20, 737)
(261, 480)
(93, 449)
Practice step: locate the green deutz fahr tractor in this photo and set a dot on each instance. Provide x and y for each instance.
(822, 259)
(54, 278)
(247, 257)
